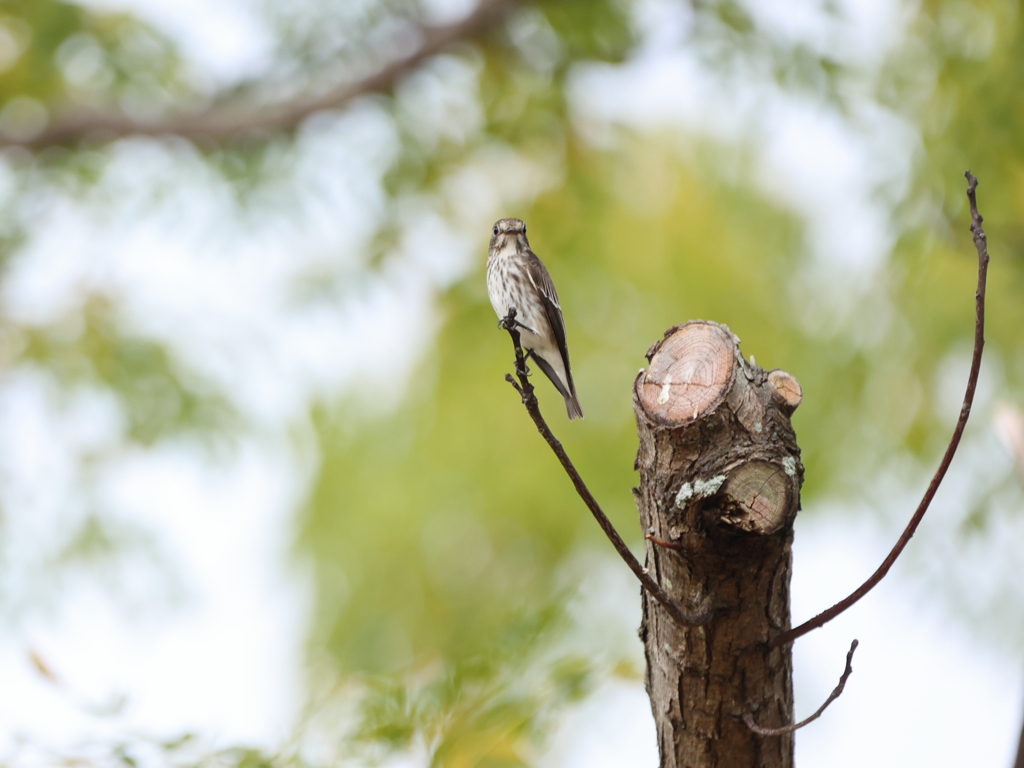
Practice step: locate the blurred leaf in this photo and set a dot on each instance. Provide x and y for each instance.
(54, 52)
(158, 397)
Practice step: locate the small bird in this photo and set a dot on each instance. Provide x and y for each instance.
(517, 278)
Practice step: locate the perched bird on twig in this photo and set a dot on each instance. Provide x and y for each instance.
(517, 278)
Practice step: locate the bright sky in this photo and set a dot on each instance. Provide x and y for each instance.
(220, 651)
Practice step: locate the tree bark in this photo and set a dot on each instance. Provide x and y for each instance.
(720, 478)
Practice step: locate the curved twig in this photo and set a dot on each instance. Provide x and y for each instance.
(525, 390)
(836, 693)
(227, 120)
(981, 244)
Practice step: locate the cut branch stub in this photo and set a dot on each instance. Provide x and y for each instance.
(720, 478)
(696, 375)
(788, 389)
(688, 373)
(758, 497)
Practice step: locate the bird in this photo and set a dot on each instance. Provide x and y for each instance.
(517, 278)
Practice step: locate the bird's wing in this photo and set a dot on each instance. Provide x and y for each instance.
(549, 296)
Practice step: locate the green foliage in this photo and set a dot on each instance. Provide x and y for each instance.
(57, 51)
(36, 29)
(159, 398)
(591, 30)
(737, 48)
(972, 119)
(481, 713)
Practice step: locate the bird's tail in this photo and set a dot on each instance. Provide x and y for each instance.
(572, 405)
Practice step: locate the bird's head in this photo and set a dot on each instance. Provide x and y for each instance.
(509, 232)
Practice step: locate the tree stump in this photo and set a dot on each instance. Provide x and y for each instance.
(720, 478)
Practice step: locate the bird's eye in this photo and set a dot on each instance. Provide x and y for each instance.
(524, 229)
(495, 230)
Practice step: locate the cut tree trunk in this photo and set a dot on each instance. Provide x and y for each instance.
(720, 478)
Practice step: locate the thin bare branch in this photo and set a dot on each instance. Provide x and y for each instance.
(981, 245)
(227, 120)
(662, 543)
(836, 693)
(525, 390)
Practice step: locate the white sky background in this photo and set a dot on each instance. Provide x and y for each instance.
(223, 657)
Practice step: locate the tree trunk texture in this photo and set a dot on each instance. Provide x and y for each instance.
(720, 478)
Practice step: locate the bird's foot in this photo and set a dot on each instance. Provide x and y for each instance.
(509, 322)
(521, 368)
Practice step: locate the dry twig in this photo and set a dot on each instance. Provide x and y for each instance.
(981, 245)
(525, 390)
(836, 693)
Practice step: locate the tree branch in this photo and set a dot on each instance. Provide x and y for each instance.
(836, 693)
(227, 120)
(981, 245)
(525, 390)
